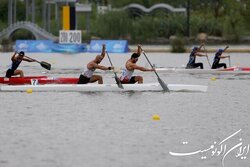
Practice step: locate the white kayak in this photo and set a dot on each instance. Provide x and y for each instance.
(232, 70)
(102, 88)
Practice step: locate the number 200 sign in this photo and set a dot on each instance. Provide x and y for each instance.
(74, 36)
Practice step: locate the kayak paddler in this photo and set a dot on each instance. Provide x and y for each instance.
(195, 52)
(16, 59)
(127, 73)
(217, 57)
(88, 76)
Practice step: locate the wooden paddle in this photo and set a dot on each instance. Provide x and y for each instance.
(162, 83)
(229, 61)
(118, 82)
(42, 63)
(229, 56)
(207, 56)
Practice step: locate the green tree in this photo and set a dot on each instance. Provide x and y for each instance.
(4, 10)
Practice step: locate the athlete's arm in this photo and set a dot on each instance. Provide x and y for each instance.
(200, 54)
(223, 57)
(201, 46)
(94, 65)
(13, 58)
(28, 59)
(139, 49)
(136, 67)
(103, 50)
(225, 48)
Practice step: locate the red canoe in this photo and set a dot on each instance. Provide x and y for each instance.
(52, 80)
(19, 80)
(37, 80)
(237, 68)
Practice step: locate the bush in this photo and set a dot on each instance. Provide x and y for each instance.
(114, 25)
(206, 24)
(6, 45)
(232, 29)
(153, 27)
(178, 45)
(119, 25)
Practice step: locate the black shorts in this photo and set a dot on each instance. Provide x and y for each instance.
(83, 80)
(195, 65)
(131, 81)
(219, 65)
(9, 73)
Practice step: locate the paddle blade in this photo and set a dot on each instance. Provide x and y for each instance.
(163, 85)
(45, 65)
(119, 84)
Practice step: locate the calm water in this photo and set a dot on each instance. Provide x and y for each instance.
(116, 129)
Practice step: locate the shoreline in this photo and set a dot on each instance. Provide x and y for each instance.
(209, 48)
(168, 48)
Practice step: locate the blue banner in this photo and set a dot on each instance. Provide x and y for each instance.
(112, 46)
(48, 46)
(69, 48)
(34, 45)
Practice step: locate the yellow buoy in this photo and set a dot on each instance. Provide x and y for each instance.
(213, 78)
(156, 117)
(29, 91)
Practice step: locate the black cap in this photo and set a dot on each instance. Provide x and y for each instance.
(21, 53)
(220, 50)
(135, 55)
(195, 48)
